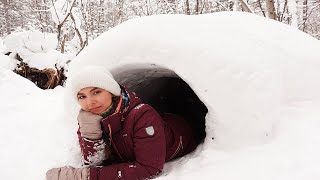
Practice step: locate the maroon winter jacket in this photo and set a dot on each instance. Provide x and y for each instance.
(141, 139)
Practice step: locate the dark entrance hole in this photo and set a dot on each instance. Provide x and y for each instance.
(166, 92)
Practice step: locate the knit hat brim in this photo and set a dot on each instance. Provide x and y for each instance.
(94, 76)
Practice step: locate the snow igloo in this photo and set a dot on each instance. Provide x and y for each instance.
(228, 76)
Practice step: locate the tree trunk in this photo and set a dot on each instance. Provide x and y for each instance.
(197, 6)
(271, 10)
(285, 7)
(304, 14)
(188, 7)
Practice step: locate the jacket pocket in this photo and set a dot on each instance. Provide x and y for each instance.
(178, 149)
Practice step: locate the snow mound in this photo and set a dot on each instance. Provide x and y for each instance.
(36, 49)
(50, 59)
(32, 41)
(33, 129)
(6, 62)
(242, 66)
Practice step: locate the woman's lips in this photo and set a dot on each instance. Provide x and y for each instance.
(95, 109)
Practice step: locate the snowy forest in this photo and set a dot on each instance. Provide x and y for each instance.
(247, 72)
(76, 22)
(73, 24)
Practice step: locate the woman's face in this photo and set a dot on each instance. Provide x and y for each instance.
(95, 100)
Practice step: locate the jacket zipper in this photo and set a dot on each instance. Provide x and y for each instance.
(180, 146)
(114, 146)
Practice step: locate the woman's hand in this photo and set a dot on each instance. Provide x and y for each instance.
(68, 173)
(90, 126)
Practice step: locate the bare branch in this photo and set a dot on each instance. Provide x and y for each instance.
(260, 6)
(311, 11)
(65, 19)
(77, 30)
(85, 43)
(55, 10)
(245, 6)
(227, 9)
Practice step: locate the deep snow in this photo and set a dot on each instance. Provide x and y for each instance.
(257, 77)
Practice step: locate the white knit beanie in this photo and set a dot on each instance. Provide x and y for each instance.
(94, 76)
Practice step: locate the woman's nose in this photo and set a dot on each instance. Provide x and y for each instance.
(91, 101)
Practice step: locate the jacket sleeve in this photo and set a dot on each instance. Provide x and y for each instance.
(149, 149)
(93, 151)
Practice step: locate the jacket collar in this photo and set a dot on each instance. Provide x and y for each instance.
(128, 101)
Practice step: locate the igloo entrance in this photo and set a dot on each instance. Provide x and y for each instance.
(166, 92)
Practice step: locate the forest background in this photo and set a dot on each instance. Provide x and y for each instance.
(77, 22)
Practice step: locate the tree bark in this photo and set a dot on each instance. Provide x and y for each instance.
(188, 7)
(304, 14)
(197, 6)
(271, 10)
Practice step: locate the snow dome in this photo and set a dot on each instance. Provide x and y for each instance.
(241, 73)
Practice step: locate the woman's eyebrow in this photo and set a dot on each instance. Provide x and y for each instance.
(93, 89)
(79, 93)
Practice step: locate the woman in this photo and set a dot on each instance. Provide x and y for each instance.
(120, 136)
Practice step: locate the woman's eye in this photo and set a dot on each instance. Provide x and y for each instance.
(81, 97)
(96, 92)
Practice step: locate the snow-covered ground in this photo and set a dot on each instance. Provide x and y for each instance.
(1, 45)
(257, 77)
